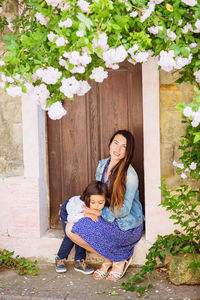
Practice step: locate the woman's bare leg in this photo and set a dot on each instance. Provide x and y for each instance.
(82, 243)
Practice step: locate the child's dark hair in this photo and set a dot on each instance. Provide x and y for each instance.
(95, 188)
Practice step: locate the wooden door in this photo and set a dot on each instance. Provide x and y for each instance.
(80, 139)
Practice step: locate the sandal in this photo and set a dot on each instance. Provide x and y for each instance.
(100, 274)
(116, 275)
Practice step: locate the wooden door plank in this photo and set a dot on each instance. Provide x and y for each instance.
(136, 123)
(54, 162)
(113, 98)
(92, 109)
(74, 141)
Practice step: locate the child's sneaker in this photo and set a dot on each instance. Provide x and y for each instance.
(60, 265)
(80, 266)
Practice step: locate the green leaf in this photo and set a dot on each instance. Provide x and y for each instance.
(11, 45)
(195, 265)
(187, 248)
(24, 89)
(100, 292)
(185, 52)
(114, 293)
(180, 106)
(12, 59)
(89, 45)
(141, 289)
(176, 49)
(132, 288)
(85, 20)
(197, 137)
(114, 26)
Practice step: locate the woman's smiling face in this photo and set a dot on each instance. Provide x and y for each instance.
(118, 148)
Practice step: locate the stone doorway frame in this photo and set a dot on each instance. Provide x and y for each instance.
(35, 158)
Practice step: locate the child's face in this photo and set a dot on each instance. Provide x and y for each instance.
(97, 202)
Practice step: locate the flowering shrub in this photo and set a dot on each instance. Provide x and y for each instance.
(55, 46)
(190, 142)
(184, 204)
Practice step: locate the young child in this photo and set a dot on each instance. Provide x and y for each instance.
(95, 196)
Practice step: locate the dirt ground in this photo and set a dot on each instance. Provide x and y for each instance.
(72, 285)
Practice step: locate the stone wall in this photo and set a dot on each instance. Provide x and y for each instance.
(11, 151)
(171, 128)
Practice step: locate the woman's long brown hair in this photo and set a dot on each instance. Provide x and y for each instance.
(118, 176)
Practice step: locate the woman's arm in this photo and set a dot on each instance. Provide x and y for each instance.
(91, 216)
(88, 210)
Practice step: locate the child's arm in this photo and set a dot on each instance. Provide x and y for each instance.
(91, 211)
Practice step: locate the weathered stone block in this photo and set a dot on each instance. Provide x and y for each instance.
(167, 157)
(11, 146)
(179, 273)
(168, 77)
(187, 92)
(171, 126)
(11, 108)
(10, 7)
(170, 95)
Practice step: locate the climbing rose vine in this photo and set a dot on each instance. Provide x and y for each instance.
(189, 161)
(56, 46)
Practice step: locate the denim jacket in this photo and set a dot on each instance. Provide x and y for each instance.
(130, 215)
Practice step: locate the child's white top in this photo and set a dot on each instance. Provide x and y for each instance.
(74, 209)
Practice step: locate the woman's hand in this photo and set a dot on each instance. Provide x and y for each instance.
(88, 210)
(91, 216)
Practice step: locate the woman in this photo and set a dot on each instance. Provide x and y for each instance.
(120, 226)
